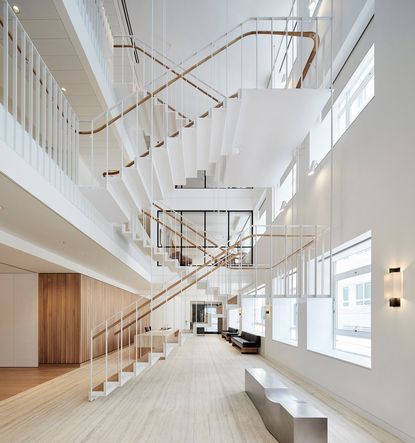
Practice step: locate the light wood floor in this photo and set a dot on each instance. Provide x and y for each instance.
(197, 395)
(15, 380)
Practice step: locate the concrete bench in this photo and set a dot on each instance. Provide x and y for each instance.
(287, 418)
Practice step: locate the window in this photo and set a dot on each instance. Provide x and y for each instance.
(285, 320)
(340, 326)
(287, 189)
(358, 92)
(253, 311)
(352, 299)
(233, 318)
(346, 297)
(262, 218)
(356, 95)
(363, 296)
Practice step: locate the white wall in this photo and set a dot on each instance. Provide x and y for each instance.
(374, 184)
(18, 320)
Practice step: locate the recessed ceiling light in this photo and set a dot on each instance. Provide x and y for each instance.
(63, 89)
(16, 9)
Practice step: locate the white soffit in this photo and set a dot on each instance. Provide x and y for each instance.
(272, 123)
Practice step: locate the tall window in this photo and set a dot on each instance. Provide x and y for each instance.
(285, 320)
(253, 311)
(352, 299)
(233, 318)
(341, 326)
(356, 95)
(287, 189)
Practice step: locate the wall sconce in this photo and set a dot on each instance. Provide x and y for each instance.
(283, 205)
(393, 287)
(313, 167)
(267, 309)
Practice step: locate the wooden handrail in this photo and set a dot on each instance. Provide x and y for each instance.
(164, 65)
(307, 34)
(228, 259)
(213, 262)
(189, 285)
(177, 233)
(313, 35)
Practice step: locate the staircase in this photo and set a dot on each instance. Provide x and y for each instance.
(123, 347)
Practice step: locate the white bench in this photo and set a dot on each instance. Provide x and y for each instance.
(287, 418)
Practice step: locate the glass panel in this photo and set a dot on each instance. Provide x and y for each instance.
(285, 320)
(233, 318)
(253, 315)
(217, 226)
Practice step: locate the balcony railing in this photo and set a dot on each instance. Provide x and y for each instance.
(96, 23)
(36, 119)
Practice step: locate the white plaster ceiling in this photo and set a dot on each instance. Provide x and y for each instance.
(44, 26)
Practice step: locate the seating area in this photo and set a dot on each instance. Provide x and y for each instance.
(247, 343)
(227, 334)
(288, 418)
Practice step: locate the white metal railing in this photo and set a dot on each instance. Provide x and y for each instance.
(36, 119)
(97, 25)
(294, 260)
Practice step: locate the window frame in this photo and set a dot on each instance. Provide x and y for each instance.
(361, 270)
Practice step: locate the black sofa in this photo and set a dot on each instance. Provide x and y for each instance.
(247, 343)
(227, 334)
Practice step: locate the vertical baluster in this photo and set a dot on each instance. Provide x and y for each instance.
(107, 155)
(256, 53)
(301, 54)
(316, 39)
(69, 141)
(50, 123)
(44, 98)
(23, 89)
(38, 151)
(242, 56)
(323, 263)
(135, 341)
(91, 358)
(121, 346)
(272, 54)
(106, 356)
(31, 101)
(5, 66)
(60, 130)
(76, 150)
(315, 261)
(91, 160)
(15, 80)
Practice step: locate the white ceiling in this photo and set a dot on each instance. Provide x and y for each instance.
(20, 262)
(191, 24)
(29, 220)
(44, 26)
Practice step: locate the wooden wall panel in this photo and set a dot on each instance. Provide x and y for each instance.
(70, 305)
(99, 302)
(59, 318)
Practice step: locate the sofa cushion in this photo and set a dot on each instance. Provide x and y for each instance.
(232, 330)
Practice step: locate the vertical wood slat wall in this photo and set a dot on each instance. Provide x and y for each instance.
(70, 305)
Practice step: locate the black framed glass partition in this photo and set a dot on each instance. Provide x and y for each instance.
(223, 227)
